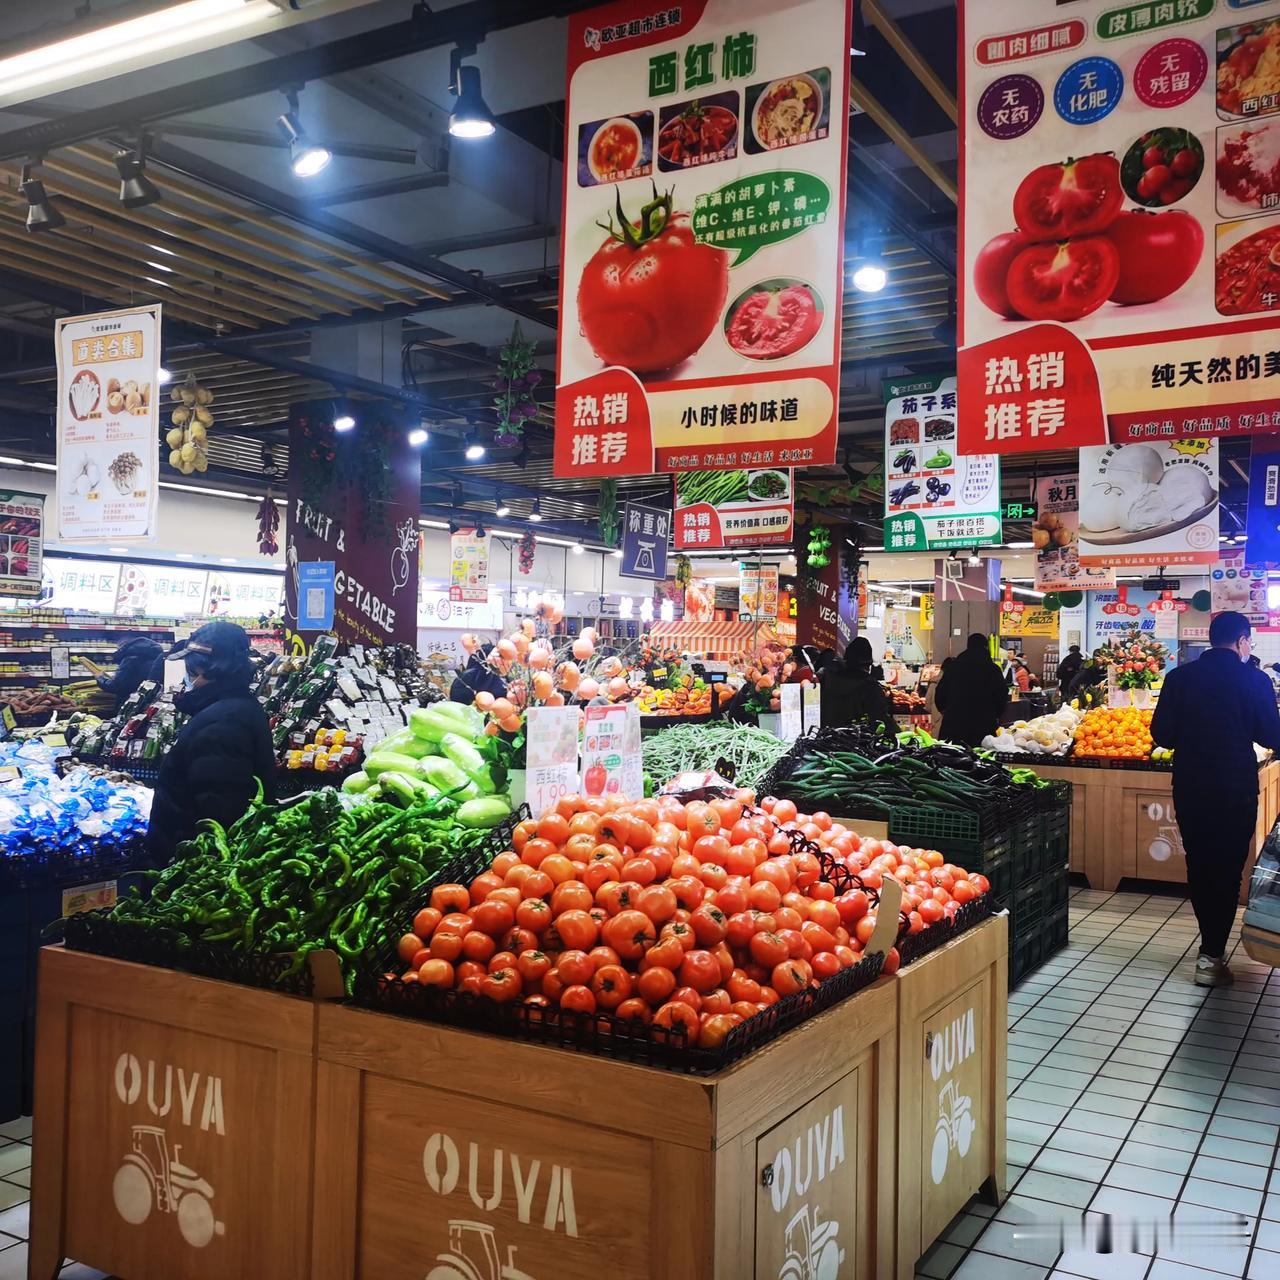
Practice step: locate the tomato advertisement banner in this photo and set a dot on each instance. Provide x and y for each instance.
(1120, 179)
(108, 426)
(932, 496)
(1143, 504)
(21, 544)
(734, 508)
(1263, 523)
(701, 250)
(1055, 534)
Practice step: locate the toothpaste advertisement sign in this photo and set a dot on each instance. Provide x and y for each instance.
(1120, 171)
(702, 237)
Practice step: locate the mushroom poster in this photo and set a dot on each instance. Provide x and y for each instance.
(1149, 504)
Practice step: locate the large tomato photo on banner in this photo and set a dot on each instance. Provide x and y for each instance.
(651, 295)
(1063, 281)
(1074, 198)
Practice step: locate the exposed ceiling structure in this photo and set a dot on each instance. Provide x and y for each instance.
(263, 274)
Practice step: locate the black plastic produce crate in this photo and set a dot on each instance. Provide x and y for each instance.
(1028, 903)
(1026, 952)
(915, 946)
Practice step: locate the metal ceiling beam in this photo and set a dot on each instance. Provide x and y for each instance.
(419, 181)
(423, 30)
(263, 138)
(584, 529)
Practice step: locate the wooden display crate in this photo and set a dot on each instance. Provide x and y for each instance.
(952, 1051)
(451, 1154)
(174, 1124)
(1123, 824)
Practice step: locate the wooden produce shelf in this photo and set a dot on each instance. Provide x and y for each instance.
(446, 1153)
(1123, 824)
(952, 1051)
(174, 1123)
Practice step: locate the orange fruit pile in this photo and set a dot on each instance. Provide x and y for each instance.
(1114, 733)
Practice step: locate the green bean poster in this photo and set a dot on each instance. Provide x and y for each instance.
(734, 508)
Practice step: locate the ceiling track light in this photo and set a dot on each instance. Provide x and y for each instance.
(42, 214)
(136, 189)
(500, 507)
(470, 117)
(475, 449)
(480, 530)
(306, 157)
(343, 418)
(870, 275)
(535, 511)
(453, 526)
(419, 436)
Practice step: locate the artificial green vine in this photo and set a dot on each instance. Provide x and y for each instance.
(610, 524)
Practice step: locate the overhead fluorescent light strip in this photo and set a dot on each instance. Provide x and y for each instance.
(147, 41)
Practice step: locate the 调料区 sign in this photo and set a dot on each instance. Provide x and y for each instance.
(645, 533)
(734, 508)
(1145, 504)
(934, 496)
(702, 236)
(21, 544)
(108, 435)
(1056, 538)
(1263, 522)
(1119, 222)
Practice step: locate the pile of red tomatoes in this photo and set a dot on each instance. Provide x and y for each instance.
(690, 916)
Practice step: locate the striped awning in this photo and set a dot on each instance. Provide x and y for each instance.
(712, 637)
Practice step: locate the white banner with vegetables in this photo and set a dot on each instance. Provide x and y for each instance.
(1121, 210)
(705, 158)
(734, 508)
(108, 436)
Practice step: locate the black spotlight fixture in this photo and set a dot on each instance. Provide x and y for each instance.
(42, 215)
(136, 189)
(470, 117)
(480, 529)
(501, 508)
(306, 158)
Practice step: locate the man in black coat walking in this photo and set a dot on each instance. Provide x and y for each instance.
(971, 694)
(1211, 712)
(1069, 667)
(221, 753)
(852, 694)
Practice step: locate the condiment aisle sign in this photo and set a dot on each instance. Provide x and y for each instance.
(1120, 221)
(704, 200)
(1143, 504)
(108, 433)
(611, 763)
(552, 753)
(1056, 537)
(21, 543)
(469, 566)
(933, 497)
(734, 508)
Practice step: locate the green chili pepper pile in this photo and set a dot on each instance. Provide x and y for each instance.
(322, 871)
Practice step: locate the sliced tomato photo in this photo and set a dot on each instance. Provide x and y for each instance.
(1065, 281)
(1158, 253)
(1074, 198)
(773, 322)
(991, 271)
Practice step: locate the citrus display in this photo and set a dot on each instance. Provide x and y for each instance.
(1114, 733)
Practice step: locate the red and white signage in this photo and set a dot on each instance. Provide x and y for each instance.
(705, 162)
(1120, 228)
(759, 510)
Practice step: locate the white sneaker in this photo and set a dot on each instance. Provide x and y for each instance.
(1211, 972)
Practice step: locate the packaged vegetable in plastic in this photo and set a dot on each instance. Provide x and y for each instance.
(468, 759)
(447, 777)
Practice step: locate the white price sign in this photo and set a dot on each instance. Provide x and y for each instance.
(791, 724)
(551, 736)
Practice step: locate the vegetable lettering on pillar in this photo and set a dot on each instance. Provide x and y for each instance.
(375, 560)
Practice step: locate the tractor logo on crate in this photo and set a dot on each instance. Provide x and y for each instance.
(474, 1255)
(812, 1246)
(149, 1179)
(946, 1051)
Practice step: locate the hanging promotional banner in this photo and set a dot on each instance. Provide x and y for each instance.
(734, 508)
(1018, 618)
(469, 566)
(1121, 211)
(1055, 534)
(645, 534)
(758, 593)
(701, 275)
(926, 612)
(1263, 525)
(1235, 587)
(551, 738)
(933, 497)
(21, 544)
(1145, 504)
(108, 427)
(611, 763)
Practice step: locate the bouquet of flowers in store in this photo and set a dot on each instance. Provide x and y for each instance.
(1136, 659)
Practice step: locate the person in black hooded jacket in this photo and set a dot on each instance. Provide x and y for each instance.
(136, 658)
(852, 693)
(222, 752)
(971, 694)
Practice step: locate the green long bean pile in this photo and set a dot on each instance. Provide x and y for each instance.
(323, 871)
(750, 752)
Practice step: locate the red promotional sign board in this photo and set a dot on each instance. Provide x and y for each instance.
(1120, 222)
(705, 162)
(734, 508)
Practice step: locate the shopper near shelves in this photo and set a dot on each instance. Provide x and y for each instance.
(477, 676)
(1069, 667)
(1023, 677)
(971, 694)
(137, 658)
(1211, 712)
(1091, 674)
(222, 752)
(851, 693)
